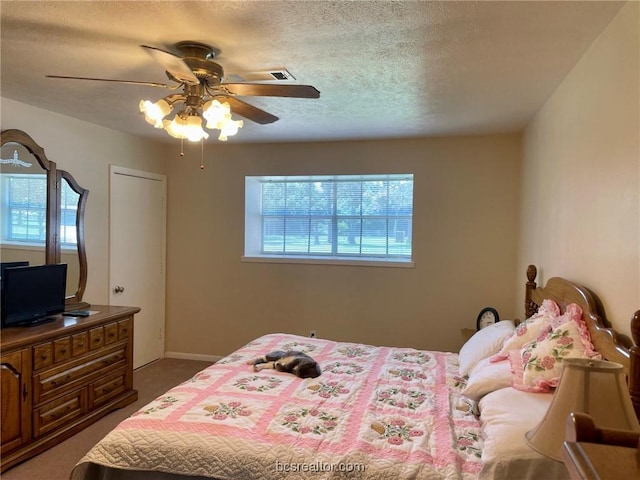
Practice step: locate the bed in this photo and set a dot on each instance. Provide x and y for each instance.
(374, 413)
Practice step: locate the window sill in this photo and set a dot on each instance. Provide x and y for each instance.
(346, 261)
(22, 245)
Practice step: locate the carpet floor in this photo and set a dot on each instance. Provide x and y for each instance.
(151, 381)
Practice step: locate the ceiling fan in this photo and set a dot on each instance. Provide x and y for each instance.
(204, 93)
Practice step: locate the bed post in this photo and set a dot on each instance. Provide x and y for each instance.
(634, 376)
(529, 305)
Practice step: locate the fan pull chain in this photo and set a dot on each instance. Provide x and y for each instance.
(202, 154)
(182, 147)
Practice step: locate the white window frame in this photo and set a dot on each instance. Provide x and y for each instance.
(253, 248)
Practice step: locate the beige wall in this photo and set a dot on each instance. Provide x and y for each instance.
(465, 229)
(86, 151)
(580, 215)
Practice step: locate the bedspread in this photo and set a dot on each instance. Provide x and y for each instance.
(374, 413)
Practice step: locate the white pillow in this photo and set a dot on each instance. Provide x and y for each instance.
(487, 377)
(483, 344)
(506, 415)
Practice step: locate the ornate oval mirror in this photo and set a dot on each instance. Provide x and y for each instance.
(44, 224)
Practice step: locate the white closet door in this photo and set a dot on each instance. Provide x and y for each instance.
(137, 255)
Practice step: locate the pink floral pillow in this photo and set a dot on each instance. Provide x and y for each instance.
(531, 329)
(538, 365)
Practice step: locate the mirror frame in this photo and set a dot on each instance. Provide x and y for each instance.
(18, 136)
(52, 242)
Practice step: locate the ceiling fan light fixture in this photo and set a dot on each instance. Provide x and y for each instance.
(186, 126)
(229, 129)
(175, 127)
(203, 81)
(216, 113)
(155, 112)
(193, 131)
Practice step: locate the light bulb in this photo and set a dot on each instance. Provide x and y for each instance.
(215, 113)
(175, 127)
(193, 129)
(155, 112)
(229, 129)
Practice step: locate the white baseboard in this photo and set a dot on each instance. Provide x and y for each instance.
(193, 356)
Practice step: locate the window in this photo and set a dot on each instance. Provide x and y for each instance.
(344, 217)
(24, 210)
(68, 215)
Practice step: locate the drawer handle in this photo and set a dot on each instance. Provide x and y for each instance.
(44, 357)
(63, 351)
(58, 415)
(55, 383)
(96, 340)
(81, 344)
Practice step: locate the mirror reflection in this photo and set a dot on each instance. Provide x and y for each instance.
(70, 225)
(23, 206)
(68, 235)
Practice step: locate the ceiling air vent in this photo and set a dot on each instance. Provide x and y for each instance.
(280, 75)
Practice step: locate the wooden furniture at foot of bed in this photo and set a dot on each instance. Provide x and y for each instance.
(592, 453)
(634, 370)
(605, 340)
(60, 377)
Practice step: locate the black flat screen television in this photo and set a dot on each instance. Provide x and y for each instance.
(32, 295)
(5, 265)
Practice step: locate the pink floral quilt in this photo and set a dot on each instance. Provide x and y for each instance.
(374, 413)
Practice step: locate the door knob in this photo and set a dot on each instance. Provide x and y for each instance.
(118, 289)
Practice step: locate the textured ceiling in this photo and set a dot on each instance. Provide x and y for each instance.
(384, 69)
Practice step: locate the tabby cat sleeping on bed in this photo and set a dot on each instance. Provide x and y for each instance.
(292, 361)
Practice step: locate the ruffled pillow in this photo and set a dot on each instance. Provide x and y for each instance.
(531, 329)
(538, 365)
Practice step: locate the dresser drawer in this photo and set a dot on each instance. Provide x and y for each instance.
(111, 333)
(79, 344)
(59, 411)
(96, 338)
(124, 328)
(53, 381)
(106, 388)
(61, 349)
(42, 355)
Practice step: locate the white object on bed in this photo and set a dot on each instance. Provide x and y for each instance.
(506, 415)
(487, 377)
(483, 344)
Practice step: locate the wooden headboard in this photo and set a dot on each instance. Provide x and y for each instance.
(606, 341)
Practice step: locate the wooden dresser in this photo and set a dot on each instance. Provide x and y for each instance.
(60, 377)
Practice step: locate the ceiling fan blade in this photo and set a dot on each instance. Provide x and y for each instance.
(130, 82)
(270, 90)
(173, 64)
(248, 111)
